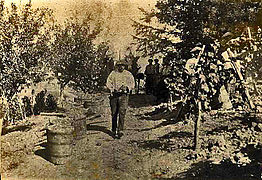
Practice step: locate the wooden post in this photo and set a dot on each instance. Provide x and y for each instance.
(197, 125)
(255, 88)
(138, 85)
(237, 70)
(249, 33)
(61, 96)
(170, 106)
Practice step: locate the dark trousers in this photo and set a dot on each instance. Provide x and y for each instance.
(149, 84)
(118, 104)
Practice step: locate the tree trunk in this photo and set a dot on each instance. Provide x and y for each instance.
(138, 85)
(170, 102)
(21, 108)
(8, 113)
(197, 126)
(1, 124)
(61, 97)
(255, 88)
(2, 114)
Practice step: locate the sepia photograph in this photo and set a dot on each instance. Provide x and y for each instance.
(131, 89)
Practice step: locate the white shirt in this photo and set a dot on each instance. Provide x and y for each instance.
(117, 79)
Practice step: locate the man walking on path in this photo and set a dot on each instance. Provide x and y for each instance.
(149, 72)
(120, 82)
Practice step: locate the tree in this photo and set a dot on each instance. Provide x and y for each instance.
(184, 25)
(76, 57)
(24, 41)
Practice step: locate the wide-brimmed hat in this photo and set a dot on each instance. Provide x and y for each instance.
(196, 49)
(150, 60)
(121, 62)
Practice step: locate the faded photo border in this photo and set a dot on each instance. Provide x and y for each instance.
(129, 89)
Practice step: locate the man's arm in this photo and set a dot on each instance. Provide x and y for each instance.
(110, 82)
(130, 81)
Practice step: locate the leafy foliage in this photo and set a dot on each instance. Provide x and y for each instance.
(33, 44)
(184, 25)
(77, 58)
(24, 43)
(44, 103)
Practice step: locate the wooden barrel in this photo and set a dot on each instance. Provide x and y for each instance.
(79, 124)
(97, 106)
(59, 143)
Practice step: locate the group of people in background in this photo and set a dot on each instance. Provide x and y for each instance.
(152, 73)
(155, 79)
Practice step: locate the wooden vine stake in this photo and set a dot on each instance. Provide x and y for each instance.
(197, 126)
(199, 113)
(242, 81)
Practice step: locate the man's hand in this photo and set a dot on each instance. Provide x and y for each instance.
(106, 89)
(123, 88)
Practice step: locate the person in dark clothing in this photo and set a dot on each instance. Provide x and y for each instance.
(157, 67)
(162, 91)
(156, 75)
(149, 72)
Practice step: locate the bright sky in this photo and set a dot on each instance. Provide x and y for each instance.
(122, 37)
(61, 7)
(61, 4)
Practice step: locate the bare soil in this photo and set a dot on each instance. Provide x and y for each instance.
(154, 146)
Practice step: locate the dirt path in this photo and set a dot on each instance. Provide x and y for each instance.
(133, 156)
(97, 155)
(153, 147)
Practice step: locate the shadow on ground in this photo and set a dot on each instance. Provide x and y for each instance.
(221, 129)
(162, 113)
(141, 100)
(43, 152)
(103, 129)
(168, 117)
(162, 124)
(164, 143)
(158, 114)
(226, 170)
(7, 130)
(245, 122)
(176, 134)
